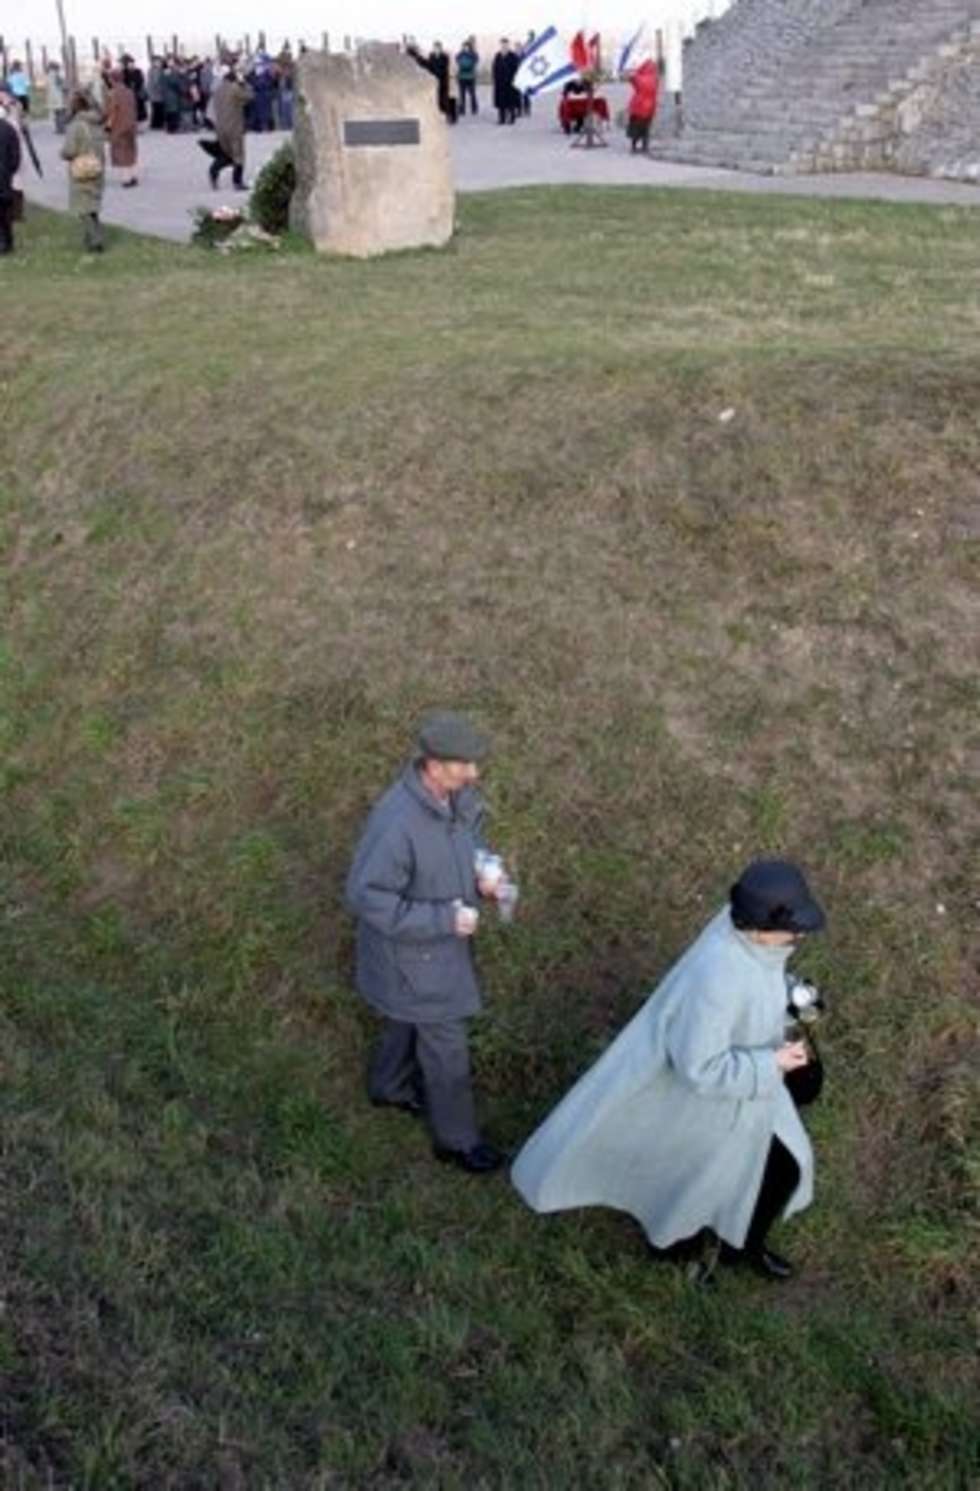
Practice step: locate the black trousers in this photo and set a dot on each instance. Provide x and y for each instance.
(218, 164)
(467, 90)
(6, 225)
(779, 1180)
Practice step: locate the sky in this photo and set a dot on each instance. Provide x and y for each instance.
(128, 21)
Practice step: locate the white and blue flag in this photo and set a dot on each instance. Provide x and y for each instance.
(545, 64)
(636, 49)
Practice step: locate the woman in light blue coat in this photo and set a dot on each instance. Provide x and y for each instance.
(685, 1121)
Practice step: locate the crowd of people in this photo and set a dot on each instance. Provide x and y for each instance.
(229, 97)
(457, 77)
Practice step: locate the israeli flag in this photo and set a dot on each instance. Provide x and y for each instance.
(544, 65)
(635, 50)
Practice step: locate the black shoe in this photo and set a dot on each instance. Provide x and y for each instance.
(480, 1160)
(413, 1106)
(769, 1265)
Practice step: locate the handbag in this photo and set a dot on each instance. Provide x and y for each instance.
(85, 167)
(805, 1083)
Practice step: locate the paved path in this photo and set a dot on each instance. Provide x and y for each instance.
(173, 172)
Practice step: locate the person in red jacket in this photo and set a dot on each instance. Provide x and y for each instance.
(642, 110)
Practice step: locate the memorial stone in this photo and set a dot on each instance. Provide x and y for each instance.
(373, 166)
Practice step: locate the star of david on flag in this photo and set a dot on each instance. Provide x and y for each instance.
(544, 65)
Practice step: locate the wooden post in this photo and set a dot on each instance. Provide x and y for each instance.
(71, 66)
(44, 61)
(325, 42)
(149, 48)
(95, 50)
(248, 45)
(262, 46)
(29, 59)
(3, 57)
(175, 42)
(217, 47)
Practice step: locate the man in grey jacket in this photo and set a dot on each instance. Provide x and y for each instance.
(413, 888)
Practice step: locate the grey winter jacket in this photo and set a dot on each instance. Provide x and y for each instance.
(413, 862)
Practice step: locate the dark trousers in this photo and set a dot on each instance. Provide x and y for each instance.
(467, 90)
(430, 1060)
(6, 225)
(157, 115)
(92, 232)
(172, 121)
(218, 165)
(779, 1180)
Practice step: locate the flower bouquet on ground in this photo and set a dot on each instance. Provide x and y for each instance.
(212, 225)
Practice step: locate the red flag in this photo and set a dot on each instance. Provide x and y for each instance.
(579, 52)
(595, 53)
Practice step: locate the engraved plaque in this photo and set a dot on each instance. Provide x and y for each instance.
(381, 132)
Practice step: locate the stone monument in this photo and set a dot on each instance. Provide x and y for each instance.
(373, 167)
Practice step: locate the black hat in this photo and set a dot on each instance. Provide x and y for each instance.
(445, 736)
(772, 895)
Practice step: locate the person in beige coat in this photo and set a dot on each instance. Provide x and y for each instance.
(84, 150)
(228, 109)
(120, 123)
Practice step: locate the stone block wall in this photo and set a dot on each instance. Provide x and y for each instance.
(925, 124)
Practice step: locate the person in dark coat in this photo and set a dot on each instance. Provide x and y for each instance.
(134, 80)
(155, 93)
(413, 886)
(262, 81)
(437, 63)
(10, 158)
(506, 99)
(172, 88)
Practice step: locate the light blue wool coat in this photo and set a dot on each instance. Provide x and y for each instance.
(673, 1123)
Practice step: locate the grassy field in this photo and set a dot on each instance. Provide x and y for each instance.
(256, 516)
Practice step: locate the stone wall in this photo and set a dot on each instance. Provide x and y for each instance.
(791, 86)
(925, 124)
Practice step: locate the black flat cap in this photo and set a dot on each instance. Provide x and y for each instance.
(771, 895)
(446, 736)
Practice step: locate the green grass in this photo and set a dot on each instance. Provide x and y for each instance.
(255, 517)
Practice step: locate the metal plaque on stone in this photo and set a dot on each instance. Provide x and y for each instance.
(381, 132)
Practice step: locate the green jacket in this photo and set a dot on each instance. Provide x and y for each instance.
(85, 136)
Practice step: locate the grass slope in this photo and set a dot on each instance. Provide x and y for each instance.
(256, 516)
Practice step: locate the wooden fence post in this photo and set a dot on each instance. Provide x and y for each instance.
(29, 59)
(72, 61)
